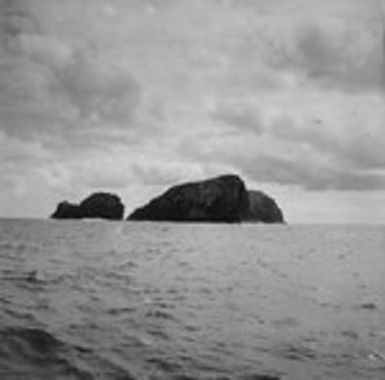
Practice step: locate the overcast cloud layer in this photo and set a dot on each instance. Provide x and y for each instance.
(135, 95)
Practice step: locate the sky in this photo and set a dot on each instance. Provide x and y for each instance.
(133, 96)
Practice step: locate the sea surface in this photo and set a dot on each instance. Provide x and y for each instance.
(125, 300)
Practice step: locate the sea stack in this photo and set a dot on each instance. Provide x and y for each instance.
(263, 208)
(98, 205)
(219, 199)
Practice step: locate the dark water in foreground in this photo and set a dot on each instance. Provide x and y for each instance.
(96, 300)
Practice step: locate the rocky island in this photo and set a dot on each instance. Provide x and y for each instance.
(220, 199)
(98, 205)
(263, 208)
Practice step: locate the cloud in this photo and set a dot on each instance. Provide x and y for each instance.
(164, 173)
(310, 176)
(52, 84)
(332, 146)
(99, 173)
(15, 19)
(98, 90)
(339, 46)
(348, 130)
(345, 57)
(239, 116)
(300, 171)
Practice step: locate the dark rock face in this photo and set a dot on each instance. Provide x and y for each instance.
(263, 208)
(66, 210)
(102, 205)
(220, 199)
(98, 205)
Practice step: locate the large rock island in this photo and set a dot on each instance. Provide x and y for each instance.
(97, 205)
(220, 199)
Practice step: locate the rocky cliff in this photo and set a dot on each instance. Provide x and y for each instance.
(220, 199)
(98, 205)
(263, 208)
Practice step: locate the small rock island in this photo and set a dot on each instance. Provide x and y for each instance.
(263, 208)
(98, 205)
(221, 199)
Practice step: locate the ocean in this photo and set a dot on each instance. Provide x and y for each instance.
(125, 300)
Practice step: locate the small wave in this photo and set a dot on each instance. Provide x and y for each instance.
(185, 377)
(259, 377)
(38, 340)
(286, 322)
(296, 352)
(158, 333)
(31, 277)
(159, 314)
(26, 350)
(367, 306)
(121, 310)
(225, 377)
(165, 365)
